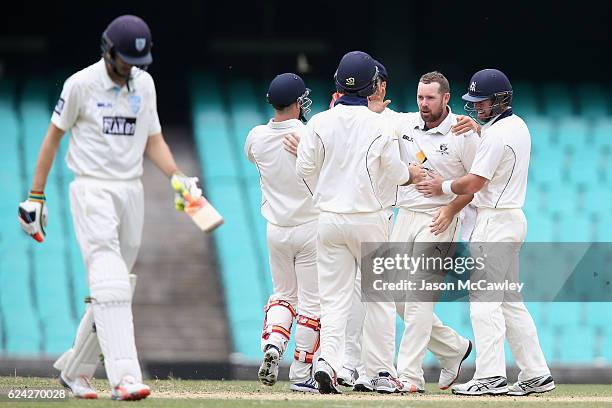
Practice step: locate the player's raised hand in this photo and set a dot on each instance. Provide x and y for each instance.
(185, 188)
(465, 124)
(417, 173)
(291, 142)
(376, 103)
(442, 220)
(33, 215)
(432, 186)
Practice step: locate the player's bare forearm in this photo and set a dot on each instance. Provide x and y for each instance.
(460, 202)
(47, 153)
(159, 153)
(469, 184)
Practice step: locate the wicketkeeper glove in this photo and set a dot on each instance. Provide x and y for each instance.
(184, 188)
(33, 215)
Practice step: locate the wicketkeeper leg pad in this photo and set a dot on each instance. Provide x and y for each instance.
(307, 339)
(277, 324)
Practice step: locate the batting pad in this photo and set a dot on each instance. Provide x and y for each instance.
(112, 311)
(83, 357)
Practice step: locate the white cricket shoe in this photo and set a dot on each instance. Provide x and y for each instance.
(326, 378)
(385, 384)
(130, 390)
(448, 376)
(482, 386)
(268, 372)
(80, 388)
(347, 377)
(310, 385)
(410, 387)
(363, 384)
(540, 384)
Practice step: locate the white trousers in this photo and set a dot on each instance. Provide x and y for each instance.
(492, 321)
(108, 218)
(423, 329)
(293, 265)
(338, 257)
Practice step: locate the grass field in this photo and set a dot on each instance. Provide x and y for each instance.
(192, 394)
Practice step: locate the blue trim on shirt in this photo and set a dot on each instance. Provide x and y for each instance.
(352, 100)
(505, 114)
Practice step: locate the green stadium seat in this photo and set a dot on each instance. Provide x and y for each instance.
(592, 100)
(557, 100)
(577, 352)
(524, 99)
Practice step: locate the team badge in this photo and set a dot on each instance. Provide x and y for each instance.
(443, 149)
(59, 106)
(140, 43)
(350, 81)
(134, 102)
(473, 86)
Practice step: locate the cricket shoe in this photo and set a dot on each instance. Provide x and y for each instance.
(448, 376)
(268, 372)
(385, 384)
(540, 384)
(130, 390)
(363, 384)
(408, 387)
(482, 386)
(310, 385)
(347, 377)
(80, 388)
(326, 377)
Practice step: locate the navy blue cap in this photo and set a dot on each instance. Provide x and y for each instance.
(382, 71)
(356, 72)
(285, 89)
(130, 38)
(486, 83)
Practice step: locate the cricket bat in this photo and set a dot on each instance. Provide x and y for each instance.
(202, 213)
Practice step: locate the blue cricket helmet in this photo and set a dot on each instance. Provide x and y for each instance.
(289, 88)
(488, 84)
(356, 74)
(128, 37)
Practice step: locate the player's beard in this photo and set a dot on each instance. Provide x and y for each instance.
(432, 115)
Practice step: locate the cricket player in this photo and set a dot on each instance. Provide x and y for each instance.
(110, 109)
(428, 226)
(288, 207)
(357, 159)
(498, 178)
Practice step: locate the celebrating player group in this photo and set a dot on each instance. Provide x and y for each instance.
(328, 185)
(331, 184)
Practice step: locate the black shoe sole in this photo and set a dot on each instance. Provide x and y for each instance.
(325, 383)
(362, 388)
(465, 356)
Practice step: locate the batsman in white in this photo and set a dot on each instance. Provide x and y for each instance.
(357, 160)
(498, 178)
(110, 109)
(288, 207)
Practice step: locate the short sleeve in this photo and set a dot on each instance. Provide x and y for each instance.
(488, 156)
(155, 126)
(66, 111)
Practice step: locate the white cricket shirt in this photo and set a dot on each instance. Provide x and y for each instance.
(357, 158)
(109, 125)
(447, 154)
(503, 159)
(286, 198)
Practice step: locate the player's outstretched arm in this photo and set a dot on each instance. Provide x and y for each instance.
(465, 124)
(32, 213)
(159, 153)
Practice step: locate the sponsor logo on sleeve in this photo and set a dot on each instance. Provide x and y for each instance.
(59, 106)
(118, 126)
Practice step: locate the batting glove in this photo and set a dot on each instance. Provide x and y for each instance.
(33, 215)
(185, 188)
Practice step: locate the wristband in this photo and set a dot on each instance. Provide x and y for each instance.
(446, 187)
(37, 196)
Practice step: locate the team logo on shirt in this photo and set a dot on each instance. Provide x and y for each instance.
(408, 138)
(134, 102)
(118, 126)
(59, 106)
(443, 149)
